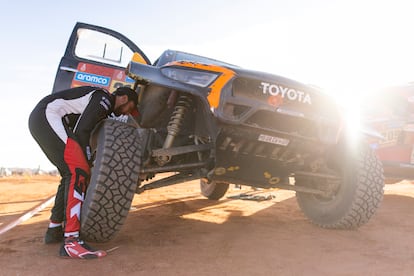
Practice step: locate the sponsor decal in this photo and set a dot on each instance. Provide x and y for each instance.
(101, 76)
(275, 101)
(273, 140)
(92, 78)
(120, 75)
(117, 84)
(128, 79)
(285, 92)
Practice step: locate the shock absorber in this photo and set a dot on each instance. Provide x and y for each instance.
(174, 125)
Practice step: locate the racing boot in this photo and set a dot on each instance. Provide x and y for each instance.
(74, 247)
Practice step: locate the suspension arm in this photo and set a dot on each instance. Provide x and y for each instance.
(180, 150)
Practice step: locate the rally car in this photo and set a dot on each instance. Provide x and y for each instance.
(390, 112)
(204, 119)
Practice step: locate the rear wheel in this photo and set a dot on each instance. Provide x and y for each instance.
(213, 190)
(114, 178)
(357, 196)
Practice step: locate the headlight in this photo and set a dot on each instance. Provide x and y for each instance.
(192, 77)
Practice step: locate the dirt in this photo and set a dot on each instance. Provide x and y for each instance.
(175, 231)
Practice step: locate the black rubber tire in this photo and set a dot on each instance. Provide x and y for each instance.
(213, 190)
(114, 178)
(358, 197)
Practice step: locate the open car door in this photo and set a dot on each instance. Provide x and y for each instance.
(96, 56)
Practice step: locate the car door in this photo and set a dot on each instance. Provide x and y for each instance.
(96, 56)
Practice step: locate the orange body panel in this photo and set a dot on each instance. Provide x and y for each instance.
(225, 75)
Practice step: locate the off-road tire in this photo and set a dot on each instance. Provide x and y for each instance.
(358, 197)
(213, 190)
(114, 178)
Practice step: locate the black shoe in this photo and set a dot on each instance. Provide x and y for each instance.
(54, 235)
(74, 247)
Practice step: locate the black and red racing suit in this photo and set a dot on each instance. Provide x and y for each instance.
(61, 123)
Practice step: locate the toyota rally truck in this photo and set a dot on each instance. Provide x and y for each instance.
(207, 120)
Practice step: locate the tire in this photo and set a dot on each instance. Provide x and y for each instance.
(114, 178)
(213, 190)
(359, 195)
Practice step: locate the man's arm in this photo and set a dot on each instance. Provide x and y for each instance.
(97, 109)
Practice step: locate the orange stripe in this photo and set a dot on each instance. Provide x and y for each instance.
(225, 75)
(138, 58)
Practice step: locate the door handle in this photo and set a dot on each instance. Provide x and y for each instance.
(68, 69)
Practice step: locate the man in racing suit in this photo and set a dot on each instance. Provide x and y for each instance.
(61, 123)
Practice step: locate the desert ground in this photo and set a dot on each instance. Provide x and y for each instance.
(175, 231)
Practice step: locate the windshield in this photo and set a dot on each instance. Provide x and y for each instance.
(171, 55)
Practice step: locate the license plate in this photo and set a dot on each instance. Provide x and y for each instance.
(273, 140)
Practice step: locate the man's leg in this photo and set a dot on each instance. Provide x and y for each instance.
(79, 178)
(54, 233)
(58, 209)
(73, 246)
(66, 198)
(53, 147)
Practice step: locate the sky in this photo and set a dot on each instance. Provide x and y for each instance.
(346, 47)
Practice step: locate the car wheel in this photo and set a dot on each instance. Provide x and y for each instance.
(358, 195)
(213, 190)
(114, 178)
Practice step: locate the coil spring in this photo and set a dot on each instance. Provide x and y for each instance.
(177, 118)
